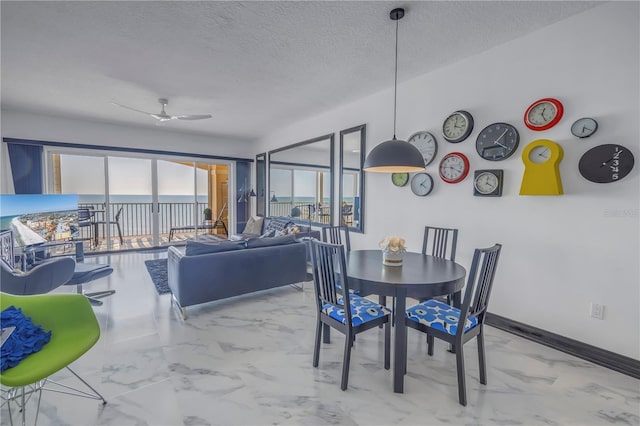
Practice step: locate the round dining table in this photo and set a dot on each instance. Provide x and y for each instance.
(420, 276)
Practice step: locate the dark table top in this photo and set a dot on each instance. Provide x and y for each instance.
(421, 275)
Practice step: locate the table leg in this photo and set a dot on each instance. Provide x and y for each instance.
(400, 342)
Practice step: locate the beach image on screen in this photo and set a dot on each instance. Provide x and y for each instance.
(39, 218)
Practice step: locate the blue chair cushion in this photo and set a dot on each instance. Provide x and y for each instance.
(26, 339)
(362, 310)
(439, 316)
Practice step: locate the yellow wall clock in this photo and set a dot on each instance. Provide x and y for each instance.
(541, 160)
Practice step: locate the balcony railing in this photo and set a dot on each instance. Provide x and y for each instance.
(135, 218)
(318, 215)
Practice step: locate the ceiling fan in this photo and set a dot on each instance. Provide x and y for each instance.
(163, 116)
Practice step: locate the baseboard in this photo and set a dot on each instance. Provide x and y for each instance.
(608, 359)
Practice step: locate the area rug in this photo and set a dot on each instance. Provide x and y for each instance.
(158, 271)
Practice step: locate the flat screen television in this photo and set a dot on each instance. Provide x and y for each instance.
(39, 218)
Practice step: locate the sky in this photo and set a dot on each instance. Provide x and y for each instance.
(14, 205)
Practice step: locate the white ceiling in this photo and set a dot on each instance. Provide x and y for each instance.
(255, 66)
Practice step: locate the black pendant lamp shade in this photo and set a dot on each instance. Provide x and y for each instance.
(395, 156)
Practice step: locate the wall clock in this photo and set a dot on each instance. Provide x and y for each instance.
(487, 183)
(399, 179)
(457, 127)
(422, 184)
(584, 127)
(497, 141)
(606, 163)
(541, 160)
(427, 145)
(454, 167)
(543, 114)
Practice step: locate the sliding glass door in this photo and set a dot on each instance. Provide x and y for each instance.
(139, 202)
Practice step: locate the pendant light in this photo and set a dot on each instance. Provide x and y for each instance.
(395, 156)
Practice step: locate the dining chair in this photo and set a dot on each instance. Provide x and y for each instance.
(440, 242)
(114, 221)
(332, 295)
(458, 326)
(337, 235)
(74, 330)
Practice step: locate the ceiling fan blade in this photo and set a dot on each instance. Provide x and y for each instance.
(132, 109)
(192, 116)
(161, 117)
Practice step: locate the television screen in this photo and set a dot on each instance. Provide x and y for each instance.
(39, 218)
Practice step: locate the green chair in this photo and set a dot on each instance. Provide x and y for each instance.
(74, 330)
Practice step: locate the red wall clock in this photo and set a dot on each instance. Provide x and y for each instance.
(454, 167)
(543, 114)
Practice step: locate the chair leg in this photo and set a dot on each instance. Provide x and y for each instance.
(316, 347)
(326, 334)
(462, 390)
(387, 346)
(430, 343)
(481, 359)
(346, 361)
(120, 233)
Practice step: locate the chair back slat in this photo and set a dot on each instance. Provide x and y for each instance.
(441, 242)
(84, 214)
(337, 235)
(329, 275)
(479, 284)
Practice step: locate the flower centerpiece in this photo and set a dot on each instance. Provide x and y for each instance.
(393, 250)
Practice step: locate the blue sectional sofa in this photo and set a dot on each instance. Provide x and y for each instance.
(202, 272)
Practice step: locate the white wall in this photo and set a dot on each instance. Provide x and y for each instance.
(43, 127)
(559, 253)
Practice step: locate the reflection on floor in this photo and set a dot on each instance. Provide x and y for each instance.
(139, 242)
(247, 361)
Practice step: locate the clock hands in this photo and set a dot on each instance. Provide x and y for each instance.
(542, 153)
(500, 137)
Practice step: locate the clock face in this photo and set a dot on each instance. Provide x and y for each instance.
(421, 184)
(497, 141)
(427, 145)
(488, 183)
(606, 163)
(454, 167)
(543, 114)
(399, 179)
(584, 127)
(457, 127)
(540, 154)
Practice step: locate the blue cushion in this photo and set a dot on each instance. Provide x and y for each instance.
(362, 310)
(439, 316)
(195, 247)
(271, 241)
(26, 339)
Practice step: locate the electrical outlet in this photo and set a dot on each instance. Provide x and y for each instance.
(597, 311)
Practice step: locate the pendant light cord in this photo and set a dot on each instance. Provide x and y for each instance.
(395, 85)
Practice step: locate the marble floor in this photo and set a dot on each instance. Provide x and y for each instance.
(247, 361)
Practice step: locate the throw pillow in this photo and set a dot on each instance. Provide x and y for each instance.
(253, 226)
(275, 241)
(195, 248)
(26, 338)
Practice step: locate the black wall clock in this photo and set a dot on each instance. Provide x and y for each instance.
(606, 163)
(497, 141)
(584, 127)
(422, 184)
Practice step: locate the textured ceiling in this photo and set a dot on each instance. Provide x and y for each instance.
(255, 66)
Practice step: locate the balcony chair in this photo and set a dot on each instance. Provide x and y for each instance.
(347, 214)
(332, 295)
(86, 220)
(74, 330)
(458, 326)
(115, 221)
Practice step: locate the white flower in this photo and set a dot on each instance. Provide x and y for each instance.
(393, 244)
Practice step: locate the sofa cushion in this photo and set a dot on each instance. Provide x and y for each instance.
(253, 226)
(276, 224)
(273, 241)
(195, 248)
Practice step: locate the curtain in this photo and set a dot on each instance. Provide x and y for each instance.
(26, 167)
